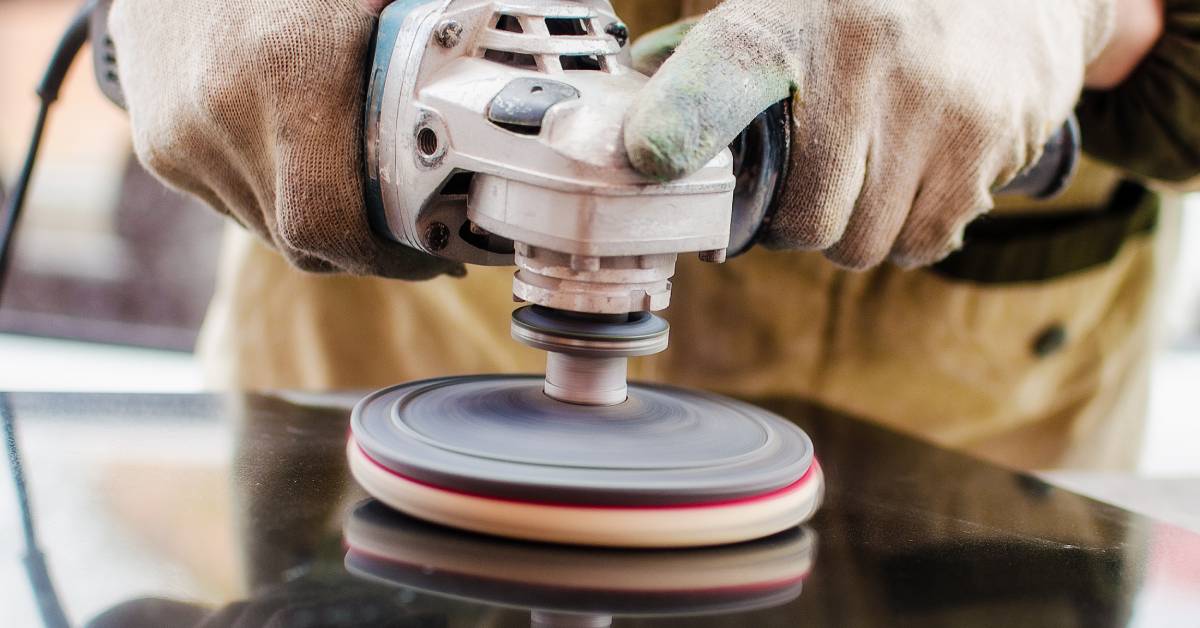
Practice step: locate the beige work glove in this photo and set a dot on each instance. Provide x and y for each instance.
(907, 113)
(256, 107)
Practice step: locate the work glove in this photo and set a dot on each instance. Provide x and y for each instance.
(906, 113)
(256, 107)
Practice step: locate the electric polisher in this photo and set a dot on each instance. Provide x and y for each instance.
(494, 137)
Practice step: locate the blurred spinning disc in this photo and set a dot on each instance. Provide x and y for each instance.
(666, 468)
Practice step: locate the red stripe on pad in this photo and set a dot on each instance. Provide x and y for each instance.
(794, 486)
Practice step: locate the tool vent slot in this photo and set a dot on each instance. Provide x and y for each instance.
(509, 24)
(515, 59)
(519, 129)
(459, 184)
(568, 27)
(485, 241)
(593, 63)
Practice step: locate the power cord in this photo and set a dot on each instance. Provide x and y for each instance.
(68, 48)
(36, 570)
(76, 35)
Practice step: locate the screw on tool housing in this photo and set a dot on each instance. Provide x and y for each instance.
(437, 236)
(618, 31)
(448, 34)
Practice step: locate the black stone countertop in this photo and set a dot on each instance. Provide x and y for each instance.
(194, 510)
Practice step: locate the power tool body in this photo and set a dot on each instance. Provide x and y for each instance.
(494, 137)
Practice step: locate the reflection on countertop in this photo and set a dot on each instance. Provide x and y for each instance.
(215, 511)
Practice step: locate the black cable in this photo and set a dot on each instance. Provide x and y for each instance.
(36, 570)
(14, 466)
(47, 90)
(16, 201)
(73, 39)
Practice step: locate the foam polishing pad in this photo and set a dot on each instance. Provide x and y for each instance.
(393, 548)
(666, 468)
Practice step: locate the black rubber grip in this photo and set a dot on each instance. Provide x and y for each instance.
(761, 155)
(104, 55)
(1053, 172)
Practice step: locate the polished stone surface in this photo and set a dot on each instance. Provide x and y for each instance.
(187, 510)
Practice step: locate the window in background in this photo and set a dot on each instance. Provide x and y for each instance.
(1183, 298)
(1172, 431)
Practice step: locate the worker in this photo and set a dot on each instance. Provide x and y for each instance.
(1023, 337)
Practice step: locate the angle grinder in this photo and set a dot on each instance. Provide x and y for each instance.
(493, 137)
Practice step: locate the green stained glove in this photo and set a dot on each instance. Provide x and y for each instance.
(907, 113)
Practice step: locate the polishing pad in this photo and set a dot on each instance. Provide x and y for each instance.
(666, 468)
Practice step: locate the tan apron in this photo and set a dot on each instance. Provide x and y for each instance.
(955, 362)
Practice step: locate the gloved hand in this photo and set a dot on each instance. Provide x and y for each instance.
(256, 107)
(907, 113)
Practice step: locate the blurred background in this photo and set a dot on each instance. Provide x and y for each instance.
(112, 274)
(105, 254)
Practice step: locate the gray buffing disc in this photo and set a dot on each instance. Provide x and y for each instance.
(502, 437)
(640, 325)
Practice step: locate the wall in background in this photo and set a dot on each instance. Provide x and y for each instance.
(104, 252)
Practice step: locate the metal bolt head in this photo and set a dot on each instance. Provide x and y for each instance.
(448, 34)
(618, 31)
(437, 236)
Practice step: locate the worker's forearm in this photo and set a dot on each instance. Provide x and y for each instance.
(1139, 25)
